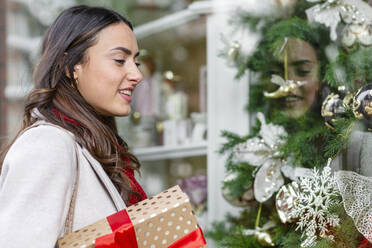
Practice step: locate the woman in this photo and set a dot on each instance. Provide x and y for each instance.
(302, 67)
(294, 50)
(68, 152)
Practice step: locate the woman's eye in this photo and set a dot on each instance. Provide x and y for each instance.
(120, 61)
(138, 64)
(302, 73)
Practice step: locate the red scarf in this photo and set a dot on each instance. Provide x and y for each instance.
(134, 197)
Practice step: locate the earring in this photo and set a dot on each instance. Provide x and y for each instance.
(72, 83)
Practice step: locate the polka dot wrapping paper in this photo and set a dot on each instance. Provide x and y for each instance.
(164, 220)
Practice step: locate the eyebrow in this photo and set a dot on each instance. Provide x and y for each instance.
(301, 62)
(126, 51)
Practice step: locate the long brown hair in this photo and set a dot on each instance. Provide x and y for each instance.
(65, 44)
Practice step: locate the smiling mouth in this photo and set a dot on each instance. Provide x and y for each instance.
(126, 95)
(293, 100)
(126, 92)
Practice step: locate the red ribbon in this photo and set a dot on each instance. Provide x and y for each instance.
(118, 219)
(365, 244)
(195, 239)
(124, 236)
(123, 232)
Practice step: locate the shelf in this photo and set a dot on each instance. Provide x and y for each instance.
(194, 11)
(17, 92)
(170, 152)
(25, 44)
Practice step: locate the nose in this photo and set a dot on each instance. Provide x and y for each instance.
(135, 76)
(291, 74)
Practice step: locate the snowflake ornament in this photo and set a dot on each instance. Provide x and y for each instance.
(313, 204)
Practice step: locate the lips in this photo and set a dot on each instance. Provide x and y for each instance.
(292, 100)
(126, 94)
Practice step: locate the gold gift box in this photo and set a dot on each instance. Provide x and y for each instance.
(158, 222)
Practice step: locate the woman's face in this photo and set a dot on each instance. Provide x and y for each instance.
(302, 66)
(110, 72)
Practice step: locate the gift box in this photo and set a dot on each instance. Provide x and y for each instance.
(164, 220)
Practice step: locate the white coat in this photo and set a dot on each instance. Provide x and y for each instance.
(36, 185)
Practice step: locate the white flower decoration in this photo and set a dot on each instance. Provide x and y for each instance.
(263, 151)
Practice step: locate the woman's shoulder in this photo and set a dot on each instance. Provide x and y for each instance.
(44, 133)
(43, 139)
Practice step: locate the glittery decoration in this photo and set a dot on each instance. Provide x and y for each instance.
(262, 234)
(316, 195)
(286, 200)
(362, 103)
(262, 151)
(355, 13)
(335, 105)
(231, 50)
(286, 87)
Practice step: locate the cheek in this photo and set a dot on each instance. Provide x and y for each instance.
(102, 80)
(311, 91)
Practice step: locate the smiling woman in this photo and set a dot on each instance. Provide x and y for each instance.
(67, 166)
(107, 79)
(294, 50)
(299, 63)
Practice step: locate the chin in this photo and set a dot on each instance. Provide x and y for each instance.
(295, 112)
(123, 114)
(118, 112)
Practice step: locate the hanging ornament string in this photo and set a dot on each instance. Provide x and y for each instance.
(261, 233)
(258, 216)
(285, 58)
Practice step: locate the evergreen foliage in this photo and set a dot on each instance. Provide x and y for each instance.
(351, 68)
(337, 138)
(309, 142)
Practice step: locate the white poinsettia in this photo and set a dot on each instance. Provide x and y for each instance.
(352, 12)
(357, 33)
(263, 151)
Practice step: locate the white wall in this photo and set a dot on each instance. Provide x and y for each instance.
(227, 97)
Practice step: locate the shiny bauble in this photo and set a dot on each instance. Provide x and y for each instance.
(286, 199)
(362, 104)
(245, 200)
(334, 106)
